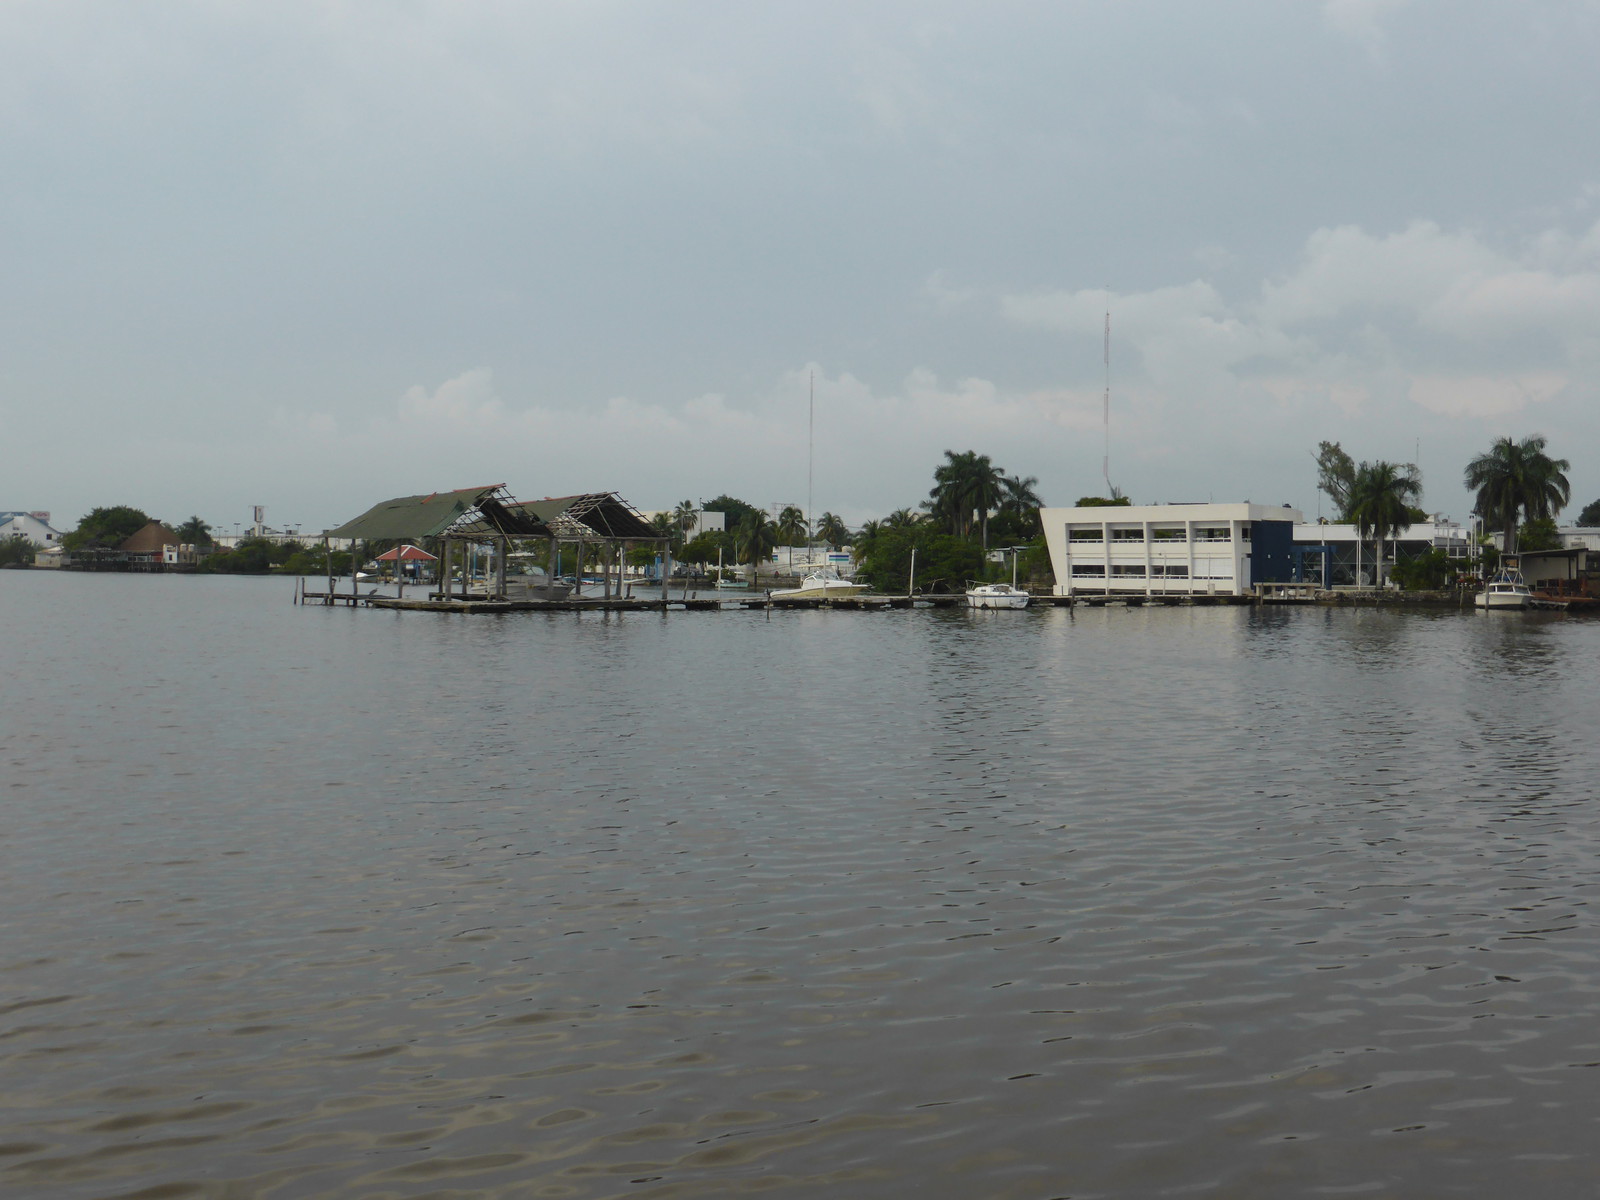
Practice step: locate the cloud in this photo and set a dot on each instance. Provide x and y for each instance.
(1358, 314)
(466, 404)
(1484, 397)
(1362, 21)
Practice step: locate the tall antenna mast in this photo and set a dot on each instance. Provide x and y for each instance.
(811, 451)
(1105, 461)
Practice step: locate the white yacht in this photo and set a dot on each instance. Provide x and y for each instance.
(1506, 588)
(821, 585)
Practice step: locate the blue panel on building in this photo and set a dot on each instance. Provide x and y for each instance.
(1272, 552)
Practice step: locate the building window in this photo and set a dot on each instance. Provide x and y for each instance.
(1096, 569)
(1084, 535)
(1212, 533)
(1128, 569)
(1169, 535)
(1127, 535)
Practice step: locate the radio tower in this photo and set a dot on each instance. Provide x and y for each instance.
(1105, 413)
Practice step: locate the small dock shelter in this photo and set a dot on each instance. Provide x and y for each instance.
(491, 515)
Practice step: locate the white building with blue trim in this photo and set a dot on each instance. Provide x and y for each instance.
(1170, 549)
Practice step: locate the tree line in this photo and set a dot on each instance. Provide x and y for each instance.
(974, 505)
(1518, 489)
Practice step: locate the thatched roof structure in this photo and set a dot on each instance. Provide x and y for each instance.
(485, 511)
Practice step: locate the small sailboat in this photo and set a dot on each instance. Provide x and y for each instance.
(999, 595)
(996, 595)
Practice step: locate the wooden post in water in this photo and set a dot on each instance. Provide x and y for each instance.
(327, 557)
(500, 566)
(666, 572)
(354, 585)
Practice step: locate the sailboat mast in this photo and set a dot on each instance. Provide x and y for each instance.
(811, 453)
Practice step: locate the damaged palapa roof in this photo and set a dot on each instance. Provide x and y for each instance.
(592, 515)
(412, 518)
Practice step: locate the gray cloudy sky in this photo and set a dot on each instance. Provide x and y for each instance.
(312, 255)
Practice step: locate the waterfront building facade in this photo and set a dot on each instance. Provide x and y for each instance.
(1170, 549)
(35, 526)
(1334, 555)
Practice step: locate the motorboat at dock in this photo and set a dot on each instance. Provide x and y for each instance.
(1506, 588)
(820, 585)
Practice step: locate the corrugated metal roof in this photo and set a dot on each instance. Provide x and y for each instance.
(595, 514)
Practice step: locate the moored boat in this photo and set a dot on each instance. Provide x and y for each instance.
(820, 585)
(996, 595)
(1506, 588)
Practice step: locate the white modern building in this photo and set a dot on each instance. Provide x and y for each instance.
(1170, 549)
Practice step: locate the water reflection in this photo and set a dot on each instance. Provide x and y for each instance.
(1102, 901)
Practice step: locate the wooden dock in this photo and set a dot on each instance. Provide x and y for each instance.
(727, 603)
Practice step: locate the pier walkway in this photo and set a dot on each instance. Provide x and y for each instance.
(696, 602)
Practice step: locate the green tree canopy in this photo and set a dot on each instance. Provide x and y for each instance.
(734, 511)
(106, 528)
(1539, 534)
(967, 487)
(944, 561)
(1336, 475)
(1517, 479)
(16, 549)
(1380, 500)
(194, 532)
(1590, 516)
(791, 526)
(832, 530)
(755, 540)
(1017, 518)
(1102, 502)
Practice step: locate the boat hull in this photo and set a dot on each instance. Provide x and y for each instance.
(1003, 597)
(1510, 600)
(834, 591)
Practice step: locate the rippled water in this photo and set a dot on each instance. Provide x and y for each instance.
(1085, 903)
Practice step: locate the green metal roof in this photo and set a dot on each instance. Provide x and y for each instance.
(411, 518)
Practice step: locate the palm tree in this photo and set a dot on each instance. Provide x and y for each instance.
(194, 532)
(684, 517)
(832, 530)
(1019, 500)
(1380, 500)
(1518, 477)
(792, 527)
(754, 541)
(901, 518)
(966, 488)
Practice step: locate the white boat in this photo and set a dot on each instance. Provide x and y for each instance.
(821, 585)
(535, 585)
(996, 595)
(1506, 588)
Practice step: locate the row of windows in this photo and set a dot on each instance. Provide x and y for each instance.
(1098, 571)
(1202, 533)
